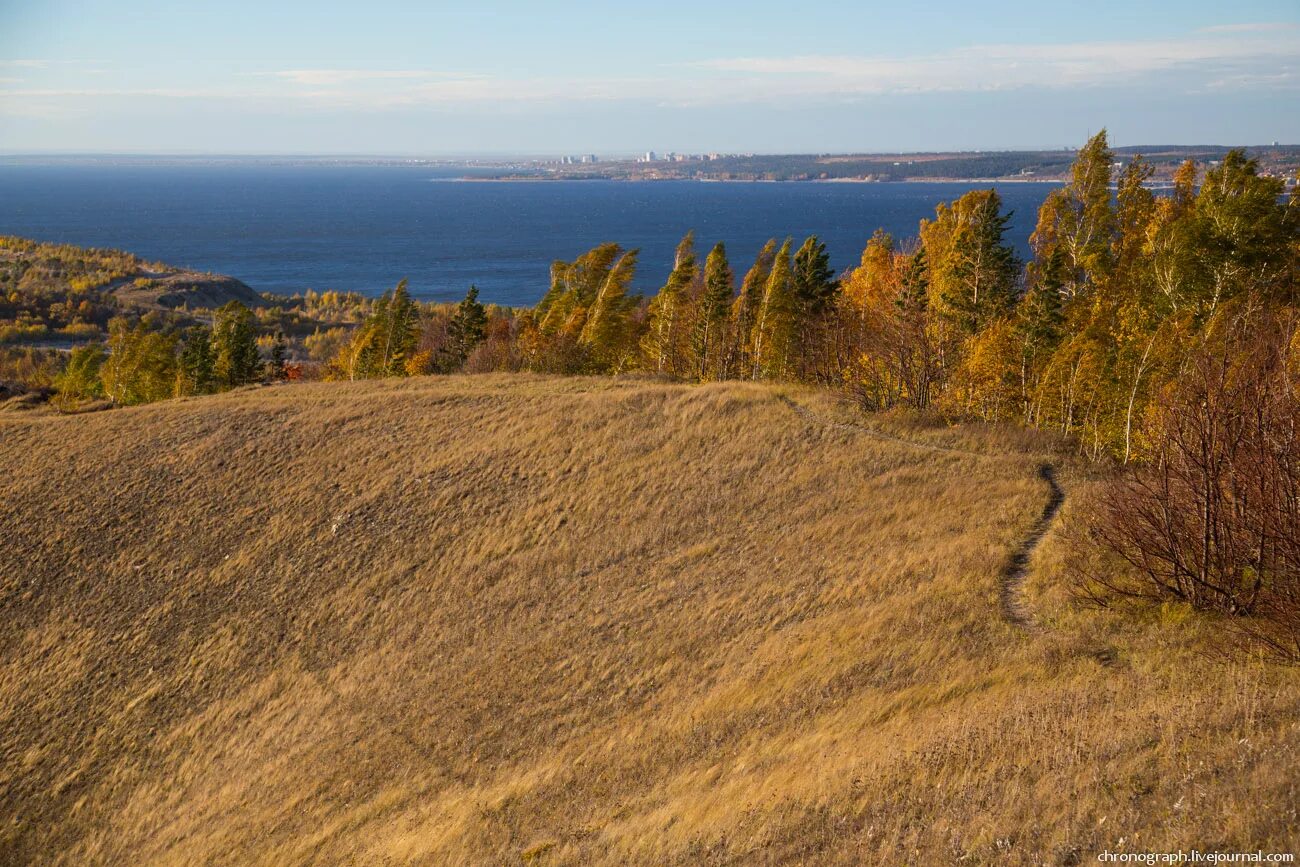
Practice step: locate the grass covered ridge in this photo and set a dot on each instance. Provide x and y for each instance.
(576, 620)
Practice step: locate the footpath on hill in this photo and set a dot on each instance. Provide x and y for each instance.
(1015, 610)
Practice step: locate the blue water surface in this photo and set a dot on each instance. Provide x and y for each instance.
(286, 228)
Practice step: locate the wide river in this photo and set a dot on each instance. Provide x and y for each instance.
(286, 228)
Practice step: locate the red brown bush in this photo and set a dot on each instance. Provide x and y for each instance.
(1212, 517)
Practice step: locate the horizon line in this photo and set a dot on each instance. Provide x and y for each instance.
(460, 156)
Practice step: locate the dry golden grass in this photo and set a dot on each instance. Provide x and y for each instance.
(552, 621)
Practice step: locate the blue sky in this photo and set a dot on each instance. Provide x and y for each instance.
(435, 78)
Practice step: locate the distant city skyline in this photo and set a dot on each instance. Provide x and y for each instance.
(513, 78)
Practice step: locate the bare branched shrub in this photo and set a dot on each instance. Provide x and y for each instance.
(1212, 517)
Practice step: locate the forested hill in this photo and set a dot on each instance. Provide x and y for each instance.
(33, 269)
(60, 293)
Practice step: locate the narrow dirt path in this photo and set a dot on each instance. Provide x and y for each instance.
(1011, 590)
(1011, 581)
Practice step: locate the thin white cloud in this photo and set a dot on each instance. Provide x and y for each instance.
(326, 77)
(1001, 67)
(1282, 80)
(95, 93)
(1257, 57)
(1257, 27)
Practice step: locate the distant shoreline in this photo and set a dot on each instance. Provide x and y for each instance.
(546, 180)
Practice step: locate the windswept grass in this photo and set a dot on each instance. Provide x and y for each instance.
(514, 619)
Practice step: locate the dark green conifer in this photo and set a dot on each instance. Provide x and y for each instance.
(234, 343)
(197, 367)
(467, 328)
(814, 281)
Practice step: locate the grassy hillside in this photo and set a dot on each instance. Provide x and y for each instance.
(505, 619)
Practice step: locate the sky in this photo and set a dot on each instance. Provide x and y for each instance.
(495, 77)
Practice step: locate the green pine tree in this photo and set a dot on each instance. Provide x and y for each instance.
(983, 266)
(467, 328)
(814, 281)
(197, 367)
(1039, 313)
(234, 343)
(915, 295)
(276, 370)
